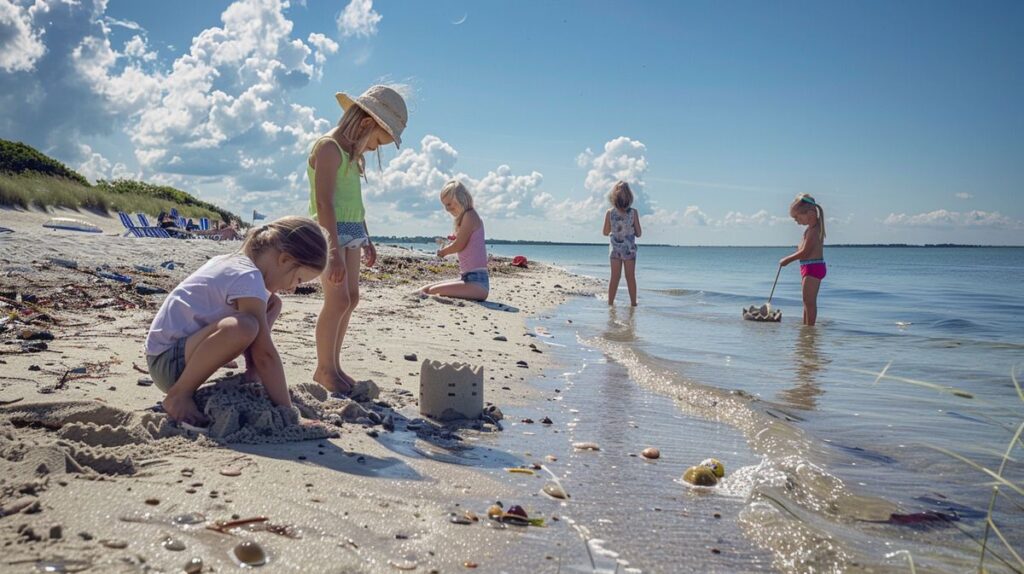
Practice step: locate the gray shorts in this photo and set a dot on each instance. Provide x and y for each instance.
(166, 367)
(478, 277)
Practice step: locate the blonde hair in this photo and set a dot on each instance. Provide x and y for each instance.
(350, 130)
(621, 196)
(804, 203)
(300, 237)
(455, 189)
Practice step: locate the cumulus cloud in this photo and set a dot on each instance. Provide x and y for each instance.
(358, 19)
(409, 184)
(946, 218)
(739, 219)
(20, 45)
(963, 195)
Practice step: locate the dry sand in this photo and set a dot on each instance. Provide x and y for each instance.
(92, 475)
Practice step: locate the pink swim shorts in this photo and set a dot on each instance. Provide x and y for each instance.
(813, 268)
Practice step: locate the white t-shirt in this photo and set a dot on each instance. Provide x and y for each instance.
(205, 297)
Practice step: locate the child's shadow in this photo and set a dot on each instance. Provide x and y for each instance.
(330, 456)
(422, 438)
(494, 306)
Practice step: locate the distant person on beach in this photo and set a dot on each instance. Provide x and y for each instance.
(805, 210)
(622, 226)
(469, 244)
(227, 308)
(334, 167)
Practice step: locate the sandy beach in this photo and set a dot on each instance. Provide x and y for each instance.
(94, 477)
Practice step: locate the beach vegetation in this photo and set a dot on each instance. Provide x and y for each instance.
(30, 179)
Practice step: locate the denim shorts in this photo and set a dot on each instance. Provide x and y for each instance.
(352, 234)
(478, 277)
(166, 367)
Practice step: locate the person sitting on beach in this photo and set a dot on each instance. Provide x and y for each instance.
(805, 210)
(335, 164)
(469, 243)
(622, 227)
(191, 225)
(226, 308)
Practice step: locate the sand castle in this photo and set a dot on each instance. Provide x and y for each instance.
(450, 391)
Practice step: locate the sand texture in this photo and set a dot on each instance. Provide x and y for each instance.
(93, 475)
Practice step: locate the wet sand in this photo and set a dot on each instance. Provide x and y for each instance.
(92, 475)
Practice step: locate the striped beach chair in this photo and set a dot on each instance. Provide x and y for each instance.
(136, 231)
(204, 223)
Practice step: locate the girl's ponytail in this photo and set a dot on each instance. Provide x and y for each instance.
(300, 237)
(821, 221)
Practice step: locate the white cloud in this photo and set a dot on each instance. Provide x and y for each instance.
(410, 183)
(358, 19)
(97, 167)
(20, 45)
(739, 219)
(963, 195)
(946, 218)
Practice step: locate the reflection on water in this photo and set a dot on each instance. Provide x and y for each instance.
(808, 362)
(621, 325)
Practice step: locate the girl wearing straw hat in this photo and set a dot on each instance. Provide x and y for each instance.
(335, 164)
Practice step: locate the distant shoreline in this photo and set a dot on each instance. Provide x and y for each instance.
(430, 241)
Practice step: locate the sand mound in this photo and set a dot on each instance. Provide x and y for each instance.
(38, 440)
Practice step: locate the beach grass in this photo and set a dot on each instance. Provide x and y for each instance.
(37, 191)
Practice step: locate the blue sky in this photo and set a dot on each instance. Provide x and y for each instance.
(903, 119)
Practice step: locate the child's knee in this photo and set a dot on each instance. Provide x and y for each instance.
(353, 298)
(247, 326)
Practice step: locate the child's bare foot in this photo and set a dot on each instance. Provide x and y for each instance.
(183, 409)
(334, 380)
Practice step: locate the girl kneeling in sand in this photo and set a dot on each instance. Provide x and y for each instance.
(469, 244)
(226, 308)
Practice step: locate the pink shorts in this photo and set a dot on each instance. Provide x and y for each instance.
(813, 268)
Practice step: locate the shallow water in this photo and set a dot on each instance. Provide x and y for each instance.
(839, 463)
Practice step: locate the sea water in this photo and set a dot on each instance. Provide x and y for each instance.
(842, 441)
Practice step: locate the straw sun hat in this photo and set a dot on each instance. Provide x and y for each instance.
(382, 104)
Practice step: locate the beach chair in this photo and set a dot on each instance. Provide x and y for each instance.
(174, 213)
(137, 231)
(204, 223)
(182, 222)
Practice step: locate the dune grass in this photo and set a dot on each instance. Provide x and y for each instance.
(31, 190)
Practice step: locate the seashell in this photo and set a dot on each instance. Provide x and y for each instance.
(231, 471)
(115, 543)
(651, 453)
(459, 519)
(715, 465)
(554, 490)
(188, 519)
(585, 446)
(494, 511)
(700, 476)
(249, 553)
(194, 566)
(62, 565)
(403, 564)
(174, 545)
(516, 510)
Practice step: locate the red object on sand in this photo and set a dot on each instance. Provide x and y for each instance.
(520, 261)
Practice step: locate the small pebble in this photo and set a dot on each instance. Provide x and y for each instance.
(651, 453)
(231, 471)
(152, 501)
(586, 446)
(194, 566)
(116, 543)
(174, 545)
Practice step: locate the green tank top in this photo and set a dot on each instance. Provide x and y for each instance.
(348, 195)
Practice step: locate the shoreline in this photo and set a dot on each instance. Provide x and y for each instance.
(368, 500)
